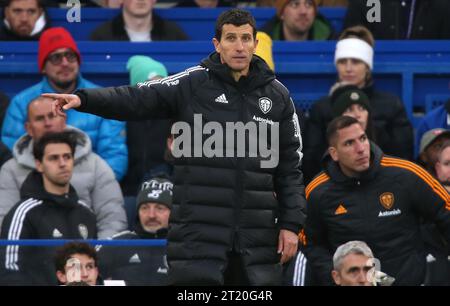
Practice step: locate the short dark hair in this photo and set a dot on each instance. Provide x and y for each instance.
(65, 252)
(236, 17)
(6, 3)
(67, 137)
(337, 124)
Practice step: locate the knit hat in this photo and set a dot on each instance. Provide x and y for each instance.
(281, 4)
(52, 39)
(143, 68)
(156, 190)
(347, 95)
(430, 136)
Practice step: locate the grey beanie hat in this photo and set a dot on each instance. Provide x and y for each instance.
(156, 190)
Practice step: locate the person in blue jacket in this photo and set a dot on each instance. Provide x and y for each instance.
(59, 62)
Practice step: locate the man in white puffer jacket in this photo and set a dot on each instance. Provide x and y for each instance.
(92, 178)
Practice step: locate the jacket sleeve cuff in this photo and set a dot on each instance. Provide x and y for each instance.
(83, 99)
(295, 228)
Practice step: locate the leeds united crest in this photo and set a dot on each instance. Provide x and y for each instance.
(265, 104)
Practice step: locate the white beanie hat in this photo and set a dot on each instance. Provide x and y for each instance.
(354, 48)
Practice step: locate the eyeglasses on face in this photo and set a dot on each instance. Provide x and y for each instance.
(56, 58)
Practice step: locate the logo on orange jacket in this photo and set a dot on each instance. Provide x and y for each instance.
(387, 200)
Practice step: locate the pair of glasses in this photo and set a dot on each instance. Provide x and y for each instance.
(56, 58)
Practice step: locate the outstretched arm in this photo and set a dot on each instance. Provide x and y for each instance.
(63, 102)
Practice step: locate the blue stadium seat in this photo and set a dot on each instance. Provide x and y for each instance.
(435, 100)
(305, 101)
(410, 69)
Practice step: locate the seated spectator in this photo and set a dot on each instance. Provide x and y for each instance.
(146, 140)
(432, 159)
(76, 264)
(49, 209)
(406, 19)
(354, 265)
(23, 20)
(138, 22)
(354, 63)
(436, 118)
(205, 3)
(298, 20)
(430, 145)
(59, 62)
(141, 265)
(442, 166)
(92, 177)
(349, 100)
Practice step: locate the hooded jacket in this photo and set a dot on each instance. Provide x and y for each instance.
(92, 178)
(107, 136)
(136, 265)
(392, 129)
(383, 207)
(41, 215)
(221, 203)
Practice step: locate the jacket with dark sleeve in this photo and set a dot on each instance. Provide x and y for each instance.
(115, 30)
(430, 19)
(392, 129)
(92, 178)
(221, 203)
(136, 265)
(41, 215)
(383, 207)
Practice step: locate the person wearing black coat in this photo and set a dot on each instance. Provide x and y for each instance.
(403, 19)
(392, 129)
(366, 195)
(142, 265)
(234, 219)
(129, 25)
(49, 209)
